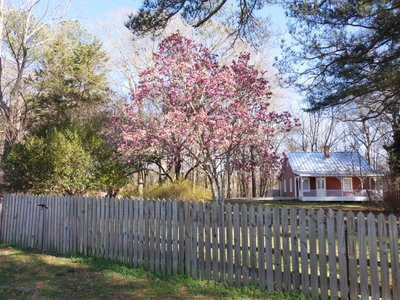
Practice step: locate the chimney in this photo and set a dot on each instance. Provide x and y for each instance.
(326, 151)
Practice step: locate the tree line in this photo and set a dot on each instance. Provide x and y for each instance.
(175, 102)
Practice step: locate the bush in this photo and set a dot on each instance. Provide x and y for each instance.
(391, 195)
(178, 190)
(64, 161)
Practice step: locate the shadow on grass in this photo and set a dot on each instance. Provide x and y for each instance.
(27, 274)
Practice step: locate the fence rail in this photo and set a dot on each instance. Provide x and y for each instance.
(324, 255)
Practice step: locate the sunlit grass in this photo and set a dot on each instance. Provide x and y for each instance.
(30, 274)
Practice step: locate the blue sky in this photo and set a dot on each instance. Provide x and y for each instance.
(88, 11)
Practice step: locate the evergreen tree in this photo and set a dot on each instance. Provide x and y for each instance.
(71, 78)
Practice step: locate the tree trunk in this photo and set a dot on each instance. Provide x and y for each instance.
(178, 167)
(140, 183)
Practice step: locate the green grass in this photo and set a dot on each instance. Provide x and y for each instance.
(375, 207)
(28, 274)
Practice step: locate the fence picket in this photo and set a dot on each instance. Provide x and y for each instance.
(169, 237)
(383, 254)
(126, 224)
(175, 238)
(107, 228)
(207, 242)
(253, 246)
(201, 240)
(352, 255)
(31, 223)
(121, 230)
(73, 223)
(1, 216)
(85, 224)
(261, 251)
(214, 224)
(24, 205)
(305, 281)
(373, 261)
(95, 227)
(221, 233)
(181, 217)
(236, 225)
(277, 249)
(18, 221)
(193, 219)
(157, 236)
(341, 231)
(286, 250)
(313, 254)
(152, 235)
(362, 255)
(111, 228)
(13, 219)
(229, 240)
(268, 248)
(135, 235)
(245, 249)
(25, 217)
(322, 254)
(332, 258)
(188, 247)
(162, 237)
(295, 250)
(394, 255)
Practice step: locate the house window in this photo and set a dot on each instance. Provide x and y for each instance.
(284, 185)
(290, 185)
(347, 184)
(306, 184)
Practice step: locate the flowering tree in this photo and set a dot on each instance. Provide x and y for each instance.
(192, 111)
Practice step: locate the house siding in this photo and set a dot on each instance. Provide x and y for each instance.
(356, 183)
(287, 174)
(333, 183)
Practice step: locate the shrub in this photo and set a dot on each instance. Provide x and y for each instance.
(391, 195)
(178, 190)
(64, 161)
(130, 190)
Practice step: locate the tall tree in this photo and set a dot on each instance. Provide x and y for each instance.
(155, 15)
(189, 109)
(347, 53)
(70, 80)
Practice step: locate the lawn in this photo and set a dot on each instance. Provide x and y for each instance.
(371, 206)
(27, 274)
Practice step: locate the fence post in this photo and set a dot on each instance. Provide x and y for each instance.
(1, 217)
(43, 209)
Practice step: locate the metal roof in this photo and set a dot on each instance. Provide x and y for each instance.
(338, 164)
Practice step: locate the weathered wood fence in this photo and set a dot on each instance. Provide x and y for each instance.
(324, 255)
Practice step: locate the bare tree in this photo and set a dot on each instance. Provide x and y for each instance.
(22, 34)
(318, 129)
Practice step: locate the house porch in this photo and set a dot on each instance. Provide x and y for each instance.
(331, 188)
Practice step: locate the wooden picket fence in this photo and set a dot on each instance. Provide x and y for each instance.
(324, 255)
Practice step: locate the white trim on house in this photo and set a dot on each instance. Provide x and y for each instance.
(320, 186)
(291, 185)
(284, 185)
